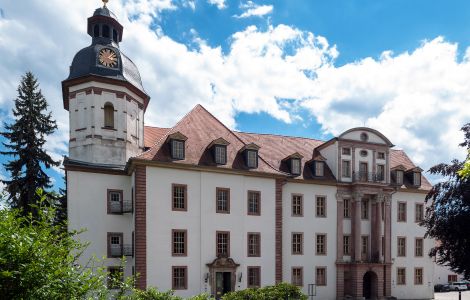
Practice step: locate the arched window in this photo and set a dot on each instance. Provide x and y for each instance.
(108, 115)
(115, 36)
(106, 31)
(96, 30)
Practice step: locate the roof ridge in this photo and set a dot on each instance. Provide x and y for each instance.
(156, 127)
(281, 135)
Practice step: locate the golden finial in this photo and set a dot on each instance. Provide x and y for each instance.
(104, 2)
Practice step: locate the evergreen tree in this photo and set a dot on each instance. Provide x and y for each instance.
(26, 138)
(448, 216)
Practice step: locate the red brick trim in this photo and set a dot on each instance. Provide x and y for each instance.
(141, 226)
(278, 230)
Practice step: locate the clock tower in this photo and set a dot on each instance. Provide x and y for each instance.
(104, 97)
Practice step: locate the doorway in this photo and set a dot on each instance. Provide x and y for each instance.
(369, 285)
(223, 283)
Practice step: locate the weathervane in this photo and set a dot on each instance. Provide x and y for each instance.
(104, 2)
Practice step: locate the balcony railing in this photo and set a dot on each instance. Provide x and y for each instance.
(121, 250)
(368, 177)
(121, 207)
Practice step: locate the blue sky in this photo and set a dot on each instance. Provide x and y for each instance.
(304, 68)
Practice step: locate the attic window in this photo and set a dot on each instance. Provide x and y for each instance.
(319, 168)
(251, 157)
(220, 154)
(416, 178)
(346, 151)
(363, 153)
(364, 137)
(295, 166)
(177, 149)
(399, 177)
(381, 155)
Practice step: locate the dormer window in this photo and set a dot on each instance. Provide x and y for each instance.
(295, 166)
(319, 168)
(399, 177)
(252, 159)
(220, 154)
(177, 149)
(251, 155)
(416, 178)
(177, 142)
(346, 151)
(381, 155)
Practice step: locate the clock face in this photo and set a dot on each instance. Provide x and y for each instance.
(108, 58)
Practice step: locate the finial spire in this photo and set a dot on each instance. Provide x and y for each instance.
(104, 2)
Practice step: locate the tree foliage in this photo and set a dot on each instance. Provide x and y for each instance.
(27, 136)
(448, 215)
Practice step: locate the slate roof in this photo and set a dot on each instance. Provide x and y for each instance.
(201, 128)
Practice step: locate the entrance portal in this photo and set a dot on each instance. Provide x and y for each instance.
(369, 285)
(223, 283)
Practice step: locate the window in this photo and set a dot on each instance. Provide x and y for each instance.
(254, 244)
(115, 201)
(452, 278)
(363, 153)
(96, 30)
(417, 178)
(365, 209)
(254, 277)
(223, 200)
(320, 276)
(252, 159)
(419, 212)
(180, 278)
(179, 242)
(399, 177)
(108, 115)
(346, 245)
(115, 277)
(106, 31)
(319, 168)
(401, 276)
(180, 197)
(115, 245)
(254, 203)
(364, 137)
(297, 276)
(223, 243)
(383, 245)
(295, 166)
(401, 212)
(380, 172)
(381, 155)
(321, 244)
(115, 35)
(346, 168)
(297, 243)
(347, 208)
(220, 154)
(297, 205)
(401, 246)
(177, 149)
(346, 151)
(321, 206)
(418, 276)
(419, 247)
(365, 247)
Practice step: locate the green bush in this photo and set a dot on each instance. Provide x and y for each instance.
(276, 292)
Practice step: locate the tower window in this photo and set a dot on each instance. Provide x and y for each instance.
(115, 35)
(96, 30)
(106, 31)
(108, 115)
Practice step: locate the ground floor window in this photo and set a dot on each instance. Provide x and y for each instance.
(115, 277)
(401, 276)
(297, 276)
(180, 278)
(320, 276)
(254, 277)
(418, 275)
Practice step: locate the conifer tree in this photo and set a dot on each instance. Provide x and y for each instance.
(26, 137)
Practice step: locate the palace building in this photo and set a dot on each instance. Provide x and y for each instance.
(202, 208)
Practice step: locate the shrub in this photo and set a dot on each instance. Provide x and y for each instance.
(276, 292)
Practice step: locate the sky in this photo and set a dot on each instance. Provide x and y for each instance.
(306, 68)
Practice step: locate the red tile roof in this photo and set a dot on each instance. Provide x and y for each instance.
(202, 128)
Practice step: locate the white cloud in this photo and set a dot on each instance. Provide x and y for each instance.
(252, 9)
(418, 99)
(219, 3)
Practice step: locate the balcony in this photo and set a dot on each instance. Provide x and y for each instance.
(121, 207)
(368, 177)
(118, 250)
